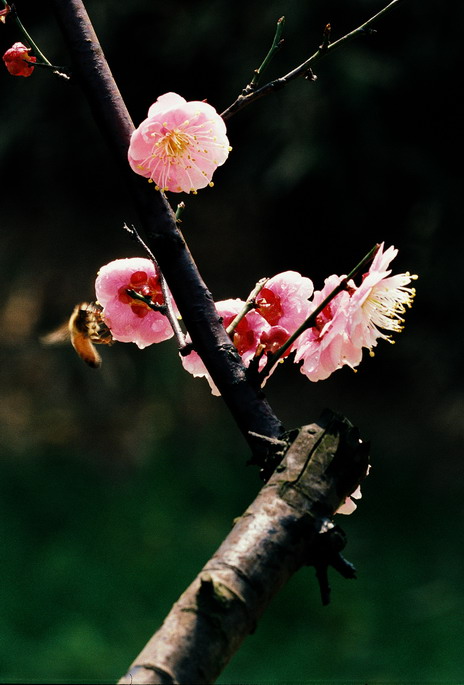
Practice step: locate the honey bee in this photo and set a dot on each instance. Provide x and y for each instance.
(85, 329)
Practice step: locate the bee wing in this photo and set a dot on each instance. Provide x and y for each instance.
(59, 336)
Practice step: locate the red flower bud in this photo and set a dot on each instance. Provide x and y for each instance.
(17, 60)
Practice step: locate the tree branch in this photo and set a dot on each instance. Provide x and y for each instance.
(247, 404)
(280, 531)
(275, 537)
(304, 69)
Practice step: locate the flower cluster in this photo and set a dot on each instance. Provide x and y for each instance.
(18, 61)
(280, 307)
(324, 332)
(179, 145)
(353, 320)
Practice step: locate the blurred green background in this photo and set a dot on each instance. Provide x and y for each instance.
(117, 485)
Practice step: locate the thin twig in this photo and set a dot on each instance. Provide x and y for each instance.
(27, 35)
(305, 68)
(179, 211)
(168, 306)
(62, 72)
(276, 44)
(248, 306)
(161, 308)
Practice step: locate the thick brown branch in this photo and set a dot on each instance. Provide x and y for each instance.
(246, 403)
(274, 538)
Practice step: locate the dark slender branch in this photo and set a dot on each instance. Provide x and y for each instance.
(193, 299)
(303, 69)
(281, 531)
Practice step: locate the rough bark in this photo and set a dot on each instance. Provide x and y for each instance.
(277, 535)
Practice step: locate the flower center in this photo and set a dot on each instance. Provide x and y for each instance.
(269, 306)
(148, 286)
(174, 143)
(387, 302)
(323, 318)
(243, 336)
(274, 339)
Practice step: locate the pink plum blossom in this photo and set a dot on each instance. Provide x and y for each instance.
(281, 306)
(179, 145)
(18, 61)
(379, 302)
(193, 364)
(272, 340)
(353, 319)
(284, 302)
(129, 319)
(246, 337)
(349, 505)
(325, 347)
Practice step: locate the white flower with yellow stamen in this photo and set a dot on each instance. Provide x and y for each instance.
(379, 303)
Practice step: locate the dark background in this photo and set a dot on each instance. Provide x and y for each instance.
(117, 485)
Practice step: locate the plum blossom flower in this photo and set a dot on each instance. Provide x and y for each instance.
(284, 299)
(271, 341)
(179, 145)
(325, 347)
(18, 61)
(130, 319)
(349, 505)
(353, 319)
(193, 364)
(280, 307)
(246, 337)
(379, 302)
(284, 303)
